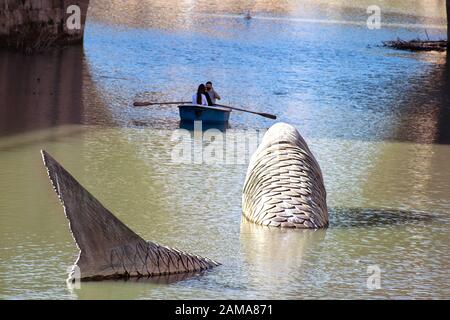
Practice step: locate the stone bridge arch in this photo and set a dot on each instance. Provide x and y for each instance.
(32, 24)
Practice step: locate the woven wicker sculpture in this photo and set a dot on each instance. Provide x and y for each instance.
(284, 185)
(108, 248)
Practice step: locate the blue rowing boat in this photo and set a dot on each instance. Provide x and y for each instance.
(213, 114)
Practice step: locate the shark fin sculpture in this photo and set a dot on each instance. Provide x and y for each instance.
(108, 249)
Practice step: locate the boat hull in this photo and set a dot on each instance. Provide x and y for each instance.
(191, 113)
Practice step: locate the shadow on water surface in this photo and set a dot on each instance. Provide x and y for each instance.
(352, 218)
(365, 218)
(163, 280)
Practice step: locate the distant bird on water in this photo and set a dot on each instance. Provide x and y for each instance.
(248, 16)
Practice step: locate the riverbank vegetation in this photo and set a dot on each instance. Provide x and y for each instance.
(422, 45)
(417, 45)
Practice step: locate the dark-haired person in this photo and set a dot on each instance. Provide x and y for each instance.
(200, 97)
(213, 95)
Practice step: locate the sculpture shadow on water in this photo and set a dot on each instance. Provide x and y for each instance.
(341, 217)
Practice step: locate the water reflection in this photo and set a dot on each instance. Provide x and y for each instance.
(133, 288)
(117, 290)
(276, 256)
(47, 90)
(177, 15)
(40, 91)
(422, 109)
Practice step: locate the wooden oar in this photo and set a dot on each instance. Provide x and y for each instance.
(267, 115)
(144, 103)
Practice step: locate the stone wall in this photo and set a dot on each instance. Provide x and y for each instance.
(448, 22)
(37, 24)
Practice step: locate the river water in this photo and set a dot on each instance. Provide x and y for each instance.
(376, 119)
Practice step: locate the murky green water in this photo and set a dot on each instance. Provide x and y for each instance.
(377, 121)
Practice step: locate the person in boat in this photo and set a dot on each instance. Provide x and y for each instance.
(201, 97)
(213, 95)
